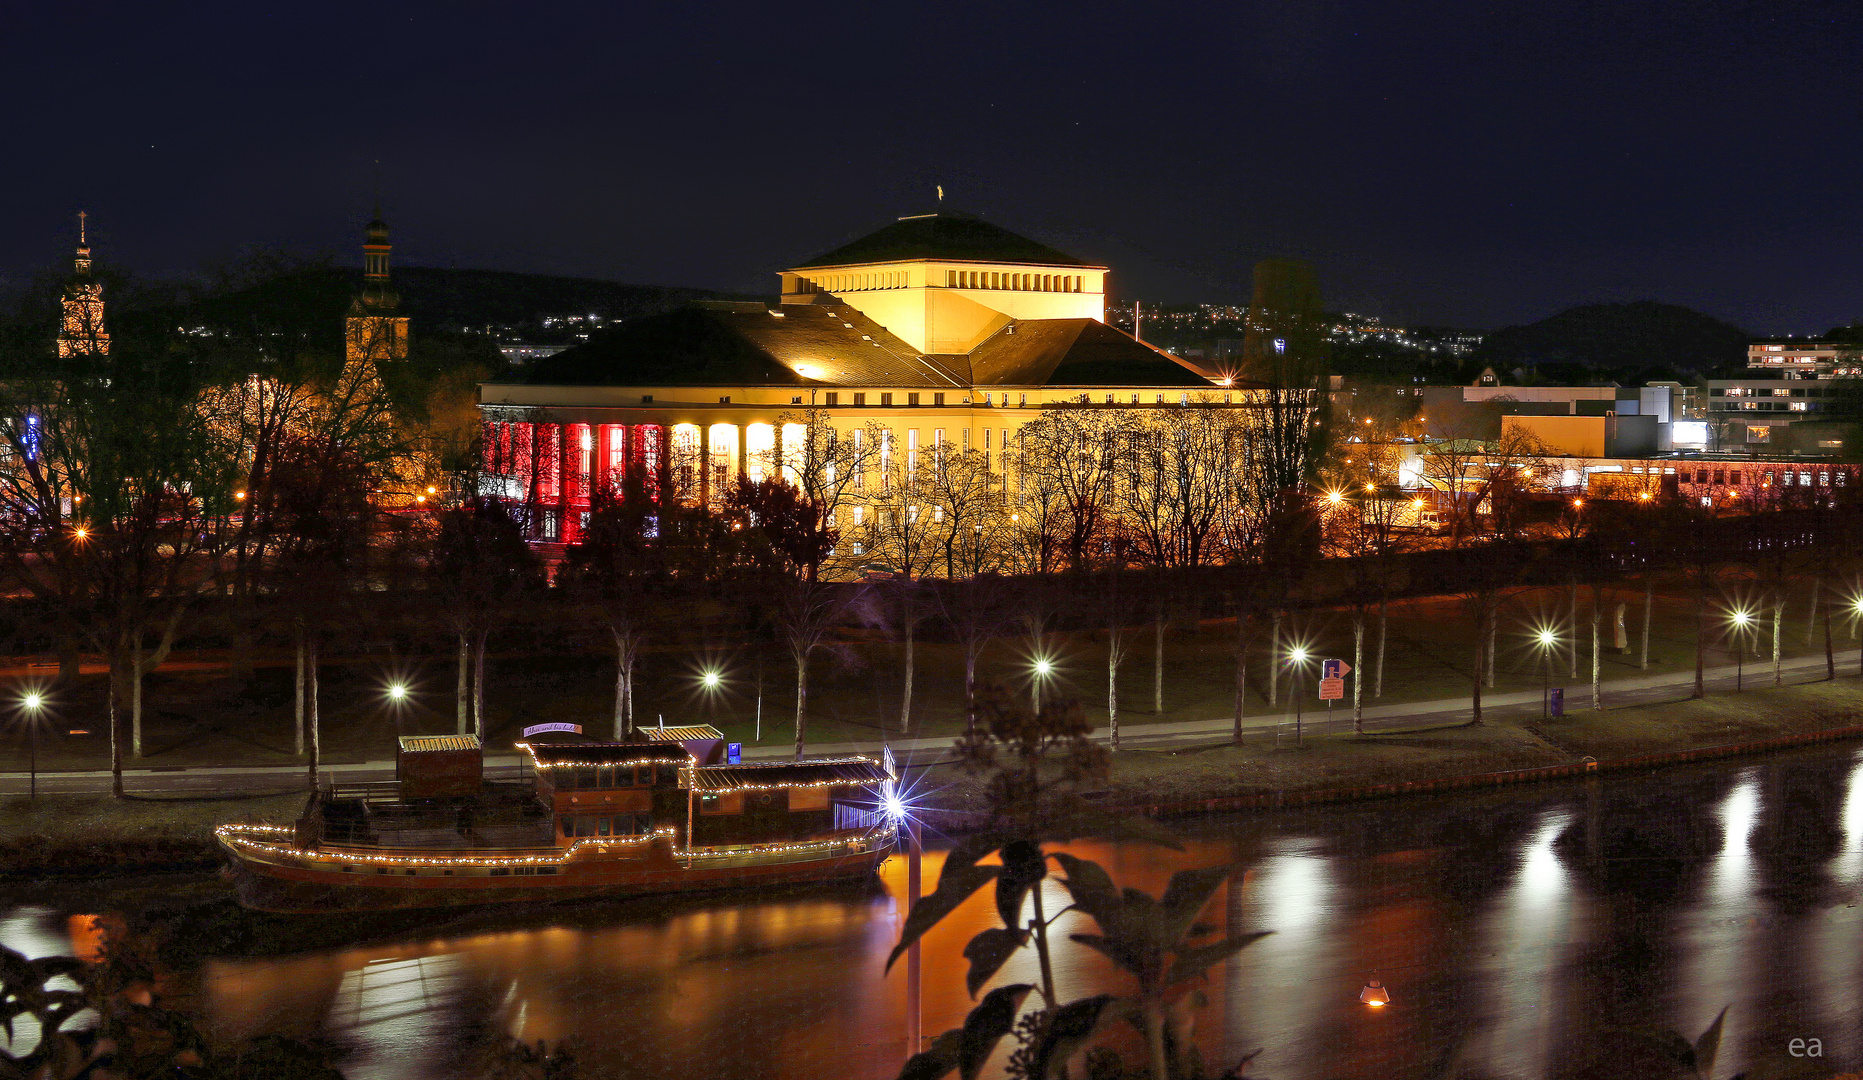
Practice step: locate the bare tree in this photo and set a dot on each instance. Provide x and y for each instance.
(805, 611)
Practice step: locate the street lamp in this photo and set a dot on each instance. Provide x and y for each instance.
(1741, 618)
(33, 702)
(1297, 659)
(1546, 640)
(1857, 607)
(710, 680)
(1043, 668)
(399, 696)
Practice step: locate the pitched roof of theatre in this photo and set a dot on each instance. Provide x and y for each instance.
(945, 236)
(1074, 352)
(746, 344)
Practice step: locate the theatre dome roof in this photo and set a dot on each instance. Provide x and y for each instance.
(950, 237)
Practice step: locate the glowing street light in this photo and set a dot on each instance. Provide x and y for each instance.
(32, 702)
(1741, 617)
(1335, 498)
(711, 680)
(1856, 606)
(1297, 659)
(397, 692)
(1043, 667)
(1546, 640)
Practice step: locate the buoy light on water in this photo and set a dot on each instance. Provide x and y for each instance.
(1375, 994)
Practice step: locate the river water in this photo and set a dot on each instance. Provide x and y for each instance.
(1514, 929)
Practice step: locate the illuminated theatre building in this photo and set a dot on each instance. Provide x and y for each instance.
(943, 331)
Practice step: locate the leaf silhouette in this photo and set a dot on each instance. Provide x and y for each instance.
(955, 884)
(993, 1018)
(988, 951)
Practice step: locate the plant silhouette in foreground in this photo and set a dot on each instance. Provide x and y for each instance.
(1033, 762)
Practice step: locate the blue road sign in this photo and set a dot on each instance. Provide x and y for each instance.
(1557, 700)
(734, 753)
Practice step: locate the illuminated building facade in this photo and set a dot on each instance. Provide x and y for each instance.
(937, 333)
(82, 330)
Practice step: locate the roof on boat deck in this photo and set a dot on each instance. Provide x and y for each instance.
(605, 753)
(429, 744)
(681, 734)
(821, 772)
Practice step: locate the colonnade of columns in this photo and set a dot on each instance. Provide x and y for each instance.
(555, 469)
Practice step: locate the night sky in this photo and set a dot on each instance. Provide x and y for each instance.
(1478, 164)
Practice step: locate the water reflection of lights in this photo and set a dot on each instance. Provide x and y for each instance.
(1295, 893)
(1721, 932)
(29, 931)
(390, 1012)
(1834, 942)
(1526, 935)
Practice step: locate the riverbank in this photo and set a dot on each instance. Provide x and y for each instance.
(87, 835)
(71, 835)
(1269, 770)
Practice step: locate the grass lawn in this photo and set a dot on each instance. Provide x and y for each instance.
(197, 715)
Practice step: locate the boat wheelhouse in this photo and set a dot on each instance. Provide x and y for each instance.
(661, 814)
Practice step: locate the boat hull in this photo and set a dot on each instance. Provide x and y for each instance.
(315, 881)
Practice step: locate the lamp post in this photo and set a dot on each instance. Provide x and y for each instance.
(1297, 658)
(1043, 668)
(1741, 619)
(1547, 640)
(397, 695)
(33, 703)
(1858, 608)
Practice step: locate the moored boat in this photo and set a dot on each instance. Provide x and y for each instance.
(660, 815)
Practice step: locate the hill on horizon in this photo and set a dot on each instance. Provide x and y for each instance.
(317, 296)
(1620, 337)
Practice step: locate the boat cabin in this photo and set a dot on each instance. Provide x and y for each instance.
(774, 801)
(622, 789)
(439, 766)
(603, 789)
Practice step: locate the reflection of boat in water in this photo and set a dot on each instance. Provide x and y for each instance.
(660, 815)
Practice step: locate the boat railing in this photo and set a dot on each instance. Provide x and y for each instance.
(370, 792)
(848, 842)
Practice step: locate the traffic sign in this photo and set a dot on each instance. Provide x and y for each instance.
(1332, 689)
(1334, 669)
(734, 753)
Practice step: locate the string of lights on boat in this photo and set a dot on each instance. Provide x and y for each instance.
(230, 834)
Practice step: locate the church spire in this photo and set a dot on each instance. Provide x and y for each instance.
(82, 330)
(374, 329)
